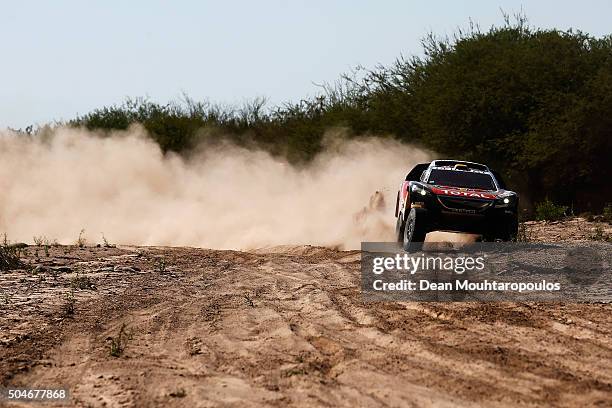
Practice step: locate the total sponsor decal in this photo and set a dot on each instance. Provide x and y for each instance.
(462, 193)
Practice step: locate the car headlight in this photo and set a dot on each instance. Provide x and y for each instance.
(505, 200)
(419, 191)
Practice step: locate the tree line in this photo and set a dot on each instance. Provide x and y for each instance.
(535, 104)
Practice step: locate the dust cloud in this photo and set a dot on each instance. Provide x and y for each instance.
(64, 180)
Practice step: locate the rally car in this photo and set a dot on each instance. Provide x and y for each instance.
(453, 195)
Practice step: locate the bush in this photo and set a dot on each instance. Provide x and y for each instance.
(9, 258)
(549, 211)
(607, 212)
(10, 255)
(82, 282)
(68, 308)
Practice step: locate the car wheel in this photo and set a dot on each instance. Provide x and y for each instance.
(399, 228)
(513, 229)
(504, 232)
(414, 230)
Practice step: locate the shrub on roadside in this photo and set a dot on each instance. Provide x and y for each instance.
(607, 212)
(10, 255)
(549, 211)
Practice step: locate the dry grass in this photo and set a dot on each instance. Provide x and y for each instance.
(118, 344)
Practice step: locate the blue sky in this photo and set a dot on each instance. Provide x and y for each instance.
(64, 57)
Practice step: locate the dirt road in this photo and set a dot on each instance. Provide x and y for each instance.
(282, 326)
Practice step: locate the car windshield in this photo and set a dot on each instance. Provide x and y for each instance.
(463, 179)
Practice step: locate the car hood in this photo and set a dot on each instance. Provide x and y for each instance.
(464, 192)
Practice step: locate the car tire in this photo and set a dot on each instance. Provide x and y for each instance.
(399, 228)
(505, 232)
(414, 230)
(513, 229)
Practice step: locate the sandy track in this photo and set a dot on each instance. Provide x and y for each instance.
(287, 326)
